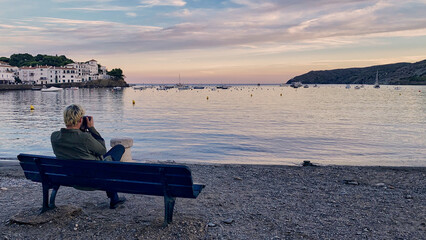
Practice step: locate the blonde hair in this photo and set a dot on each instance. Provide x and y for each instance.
(72, 114)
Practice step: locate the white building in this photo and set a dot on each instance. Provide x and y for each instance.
(71, 73)
(63, 75)
(48, 75)
(34, 75)
(7, 72)
(89, 70)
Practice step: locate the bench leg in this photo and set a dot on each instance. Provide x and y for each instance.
(45, 205)
(169, 204)
(53, 197)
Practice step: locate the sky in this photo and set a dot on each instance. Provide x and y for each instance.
(214, 41)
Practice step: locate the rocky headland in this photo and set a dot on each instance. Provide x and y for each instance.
(392, 74)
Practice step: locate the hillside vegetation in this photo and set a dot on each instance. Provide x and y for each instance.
(28, 60)
(394, 74)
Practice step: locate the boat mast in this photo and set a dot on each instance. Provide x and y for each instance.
(376, 85)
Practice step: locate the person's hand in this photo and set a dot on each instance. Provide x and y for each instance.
(90, 121)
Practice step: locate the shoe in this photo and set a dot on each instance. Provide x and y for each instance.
(116, 203)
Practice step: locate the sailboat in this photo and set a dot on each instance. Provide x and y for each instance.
(181, 86)
(376, 85)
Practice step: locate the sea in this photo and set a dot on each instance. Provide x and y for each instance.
(245, 124)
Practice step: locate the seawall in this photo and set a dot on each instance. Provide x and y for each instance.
(102, 83)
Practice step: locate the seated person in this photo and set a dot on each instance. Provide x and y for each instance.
(77, 142)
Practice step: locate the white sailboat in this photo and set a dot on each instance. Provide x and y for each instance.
(376, 85)
(181, 86)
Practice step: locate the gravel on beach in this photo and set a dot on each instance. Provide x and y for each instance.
(239, 202)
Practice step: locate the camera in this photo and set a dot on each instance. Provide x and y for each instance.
(83, 126)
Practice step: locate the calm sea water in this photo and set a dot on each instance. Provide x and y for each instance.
(244, 124)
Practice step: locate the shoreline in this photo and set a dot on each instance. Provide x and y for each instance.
(15, 162)
(100, 83)
(239, 202)
(108, 83)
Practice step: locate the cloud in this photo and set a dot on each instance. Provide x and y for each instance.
(176, 3)
(101, 8)
(267, 27)
(131, 14)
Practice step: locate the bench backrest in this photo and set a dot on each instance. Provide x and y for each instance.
(139, 178)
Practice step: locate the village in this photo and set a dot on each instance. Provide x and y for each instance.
(40, 75)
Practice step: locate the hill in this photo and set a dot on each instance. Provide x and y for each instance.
(393, 74)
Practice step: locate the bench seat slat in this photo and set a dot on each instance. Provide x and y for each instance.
(115, 173)
(137, 187)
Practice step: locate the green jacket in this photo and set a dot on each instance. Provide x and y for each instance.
(76, 144)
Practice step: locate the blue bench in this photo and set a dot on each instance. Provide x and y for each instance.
(170, 181)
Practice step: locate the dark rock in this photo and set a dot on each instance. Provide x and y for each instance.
(308, 164)
(351, 182)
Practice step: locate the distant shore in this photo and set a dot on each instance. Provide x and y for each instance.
(239, 202)
(101, 83)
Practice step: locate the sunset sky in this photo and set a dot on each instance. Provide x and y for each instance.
(209, 41)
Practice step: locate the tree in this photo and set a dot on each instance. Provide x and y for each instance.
(116, 74)
(20, 59)
(26, 59)
(4, 59)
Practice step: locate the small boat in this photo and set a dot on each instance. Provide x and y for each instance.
(348, 86)
(296, 84)
(74, 88)
(116, 88)
(139, 87)
(222, 87)
(181, 86)
(36, 88)
(198, 87)
(51, 89)
(306, 86)
(376, 85)
(357, 87)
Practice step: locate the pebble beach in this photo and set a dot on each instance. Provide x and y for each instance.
(239, 202)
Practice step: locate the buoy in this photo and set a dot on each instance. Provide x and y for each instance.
(251, 95)
(281, 94)
(31, 107)
(207, 98)
(133, 102)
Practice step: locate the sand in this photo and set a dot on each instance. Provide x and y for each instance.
(239, 202)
